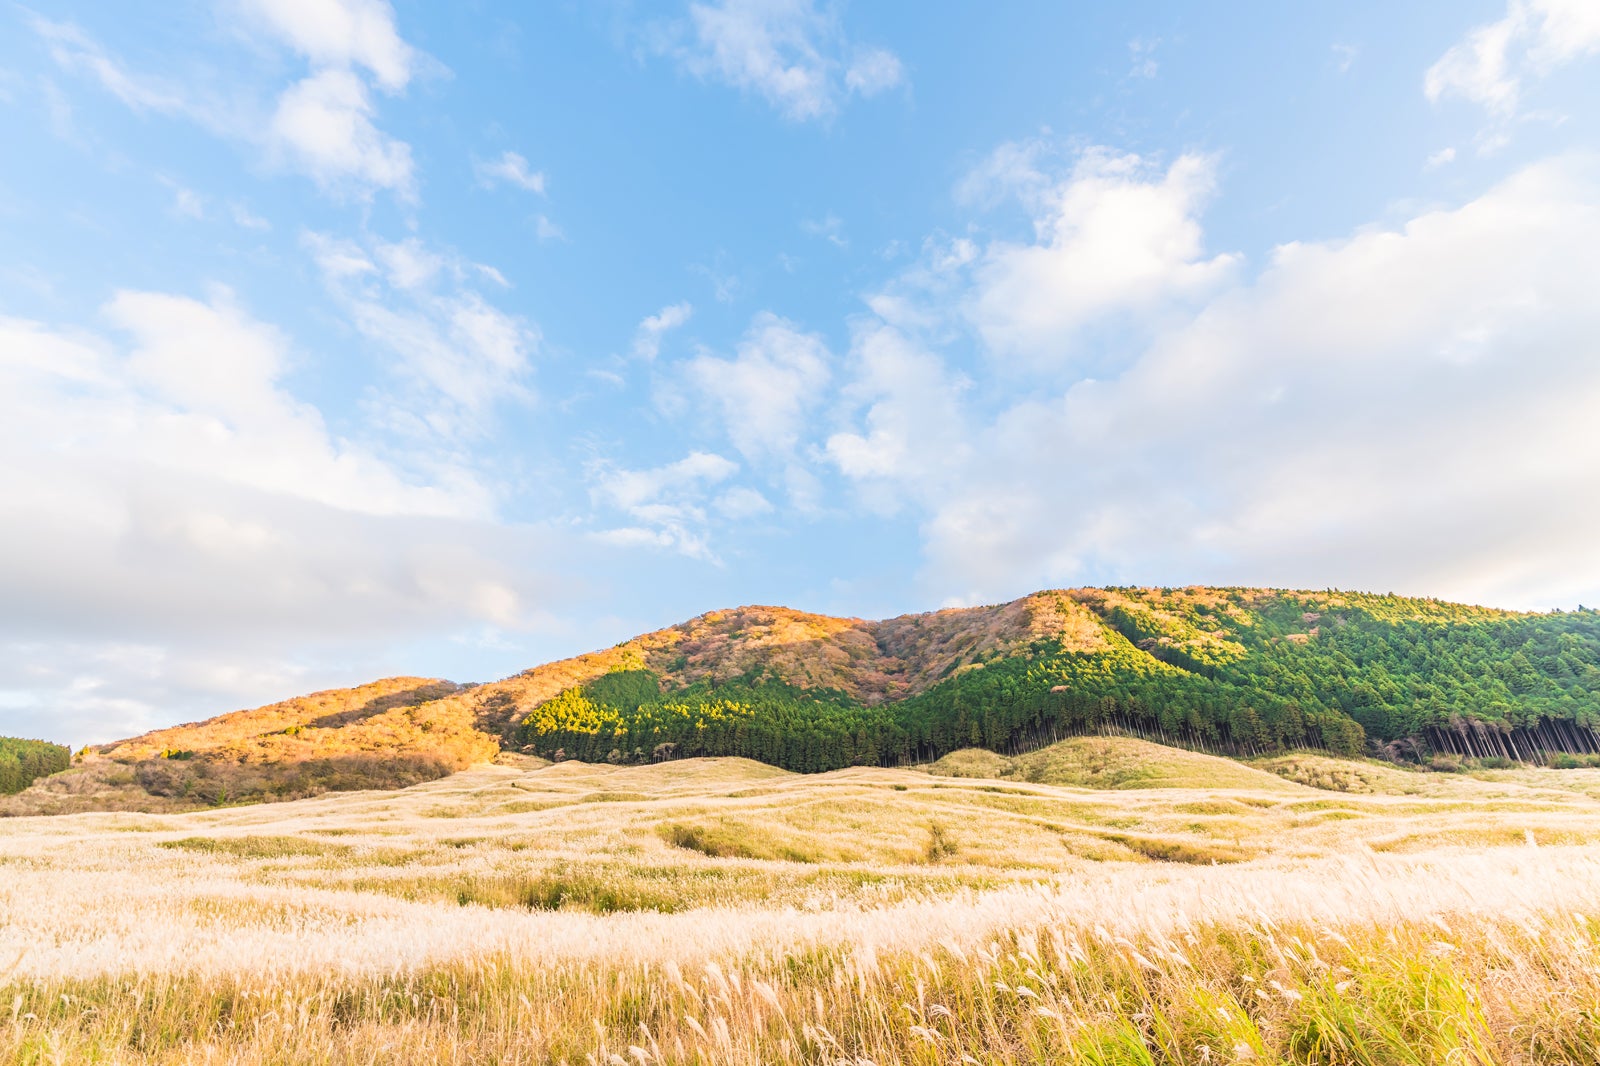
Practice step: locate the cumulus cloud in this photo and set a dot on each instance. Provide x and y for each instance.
(647, 338)
(323, 126)
(511, 169)
(1111, 234)
(343, 34)
(176, 526)
(1407, 408)
(1490, 65)
(914, 427)
(763, 394)
(791, 52)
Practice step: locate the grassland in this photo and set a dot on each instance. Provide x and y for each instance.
(1185, 910)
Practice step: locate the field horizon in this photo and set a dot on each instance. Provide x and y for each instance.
(1232, 671)
(1111, 902)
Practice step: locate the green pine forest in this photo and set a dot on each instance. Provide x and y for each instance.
(22, 761)
(1241, 674)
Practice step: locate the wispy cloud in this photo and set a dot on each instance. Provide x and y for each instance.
(1142, 57)
(76, 52)
(1493, 63)
(666, 505)
(793, 53)
(459, 354)
(830, 228)
(510, 169)
(322, 125)
(647, 338)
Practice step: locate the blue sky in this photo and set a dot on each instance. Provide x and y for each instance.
(344, 338)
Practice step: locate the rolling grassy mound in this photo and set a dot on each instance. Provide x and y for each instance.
(1110, 763)
(721, 911)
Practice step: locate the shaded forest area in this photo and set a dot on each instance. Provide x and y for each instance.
(1236, 672)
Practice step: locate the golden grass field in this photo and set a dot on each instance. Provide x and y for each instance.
(1100, 901)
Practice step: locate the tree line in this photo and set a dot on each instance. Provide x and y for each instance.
(24, 761)
(1242, 675)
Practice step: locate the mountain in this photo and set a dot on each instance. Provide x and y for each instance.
(1237, 671)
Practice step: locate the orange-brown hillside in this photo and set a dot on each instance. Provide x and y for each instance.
(399, 730)
(406, 729)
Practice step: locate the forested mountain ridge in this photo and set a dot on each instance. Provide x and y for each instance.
(1233, 670)
(1237, 670)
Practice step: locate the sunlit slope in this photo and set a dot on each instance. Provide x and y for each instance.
(1242, 672)
(385, 734)
(1112, 763)
(1238, 671)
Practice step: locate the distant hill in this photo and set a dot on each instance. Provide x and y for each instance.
(385, 734)
(1233, 671)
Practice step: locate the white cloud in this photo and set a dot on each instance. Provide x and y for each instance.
(763, 394)
(915, 428)
(246, 219)
(830, 228)
(340, 34)
(1111, 235)
(546, 230)
(874, 70)
(1567, 30)
(741, 502)
(1142, 56)
(666, 504)
(172, 438)
(185, 201)
(512, 169)
(1478, 68)
(647, 338)
(323, 125)
(460, 354)
(1405, 409)
(791, 52)
(1443, 157)
(409, 264)
(1490, 65)
(180, 534)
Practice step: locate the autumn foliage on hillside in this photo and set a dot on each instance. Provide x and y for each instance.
(386, 734)
(1237, 671)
